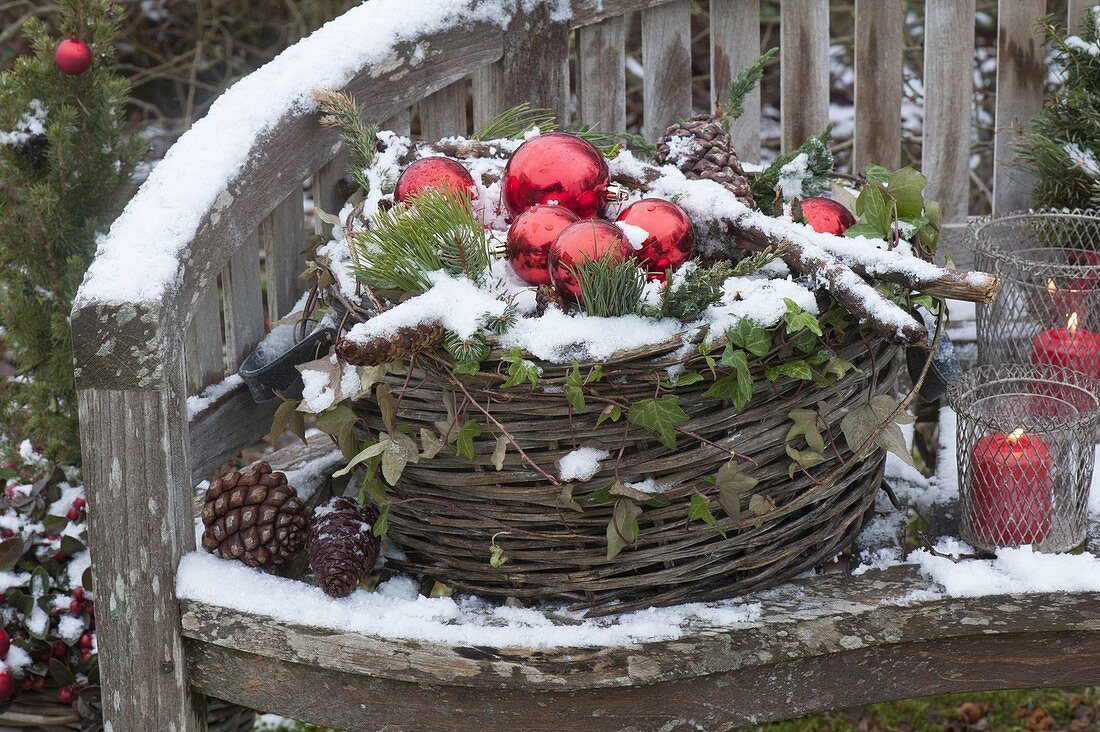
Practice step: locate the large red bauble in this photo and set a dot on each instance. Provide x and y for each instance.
(530, 238)
(73, 56)
(556, 168)
(438, 173)
(671, 238)
(827, 216)
(585, 240)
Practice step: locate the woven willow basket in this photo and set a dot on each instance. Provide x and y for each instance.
(42, 711)
(447, 510)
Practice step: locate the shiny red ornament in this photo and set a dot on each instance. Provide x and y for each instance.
(556, 168)
(670, 240)
(584, 240)
(530, 238)
(73, 56)
(438, 173)
(7, 683)
(827, 216)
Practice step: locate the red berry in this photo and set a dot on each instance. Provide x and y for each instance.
(5, 643)
(7, 683)
(3, 598)
(86, 641)
(59, 648)
(39, 683)
(85, 656)
(65, 694)
(78, 593)
(78, 503)
(73, 514)
(76, 607)
(52, 537)
(73, 56)
(6, 533)
(59, 556)
(28, 683)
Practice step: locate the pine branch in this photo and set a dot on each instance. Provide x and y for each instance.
(438, 232)
(692, 290)
(609, 143)
(361, 139)
(609, 288)
(819, 163)
(742, 84)
(514, 122)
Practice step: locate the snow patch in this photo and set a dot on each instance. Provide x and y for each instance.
(581, 464)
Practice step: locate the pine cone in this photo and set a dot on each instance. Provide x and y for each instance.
(547, 295)
(342, 546)
(701, 148)
(403, 343)
(254, 516)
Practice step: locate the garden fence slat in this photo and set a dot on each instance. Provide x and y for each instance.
(487, 84)
(878, 82)
(244, 307)
(1076, 14)
(666, 58)
(1021, 73)
(203, 349)
(535, 62)
(948, 90)
(734, 44)
(443, 113)
(282, 238)
(326, 190)
(399, 123)
(804, 69)
(601, 55)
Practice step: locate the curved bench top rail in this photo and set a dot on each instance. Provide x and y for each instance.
(823, 642)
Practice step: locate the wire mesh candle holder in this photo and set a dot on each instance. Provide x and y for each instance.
(1025, 455)
(1047, 308)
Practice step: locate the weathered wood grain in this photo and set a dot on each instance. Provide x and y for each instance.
(137, 477)
(283, 239)
(601, 87)
(589, 13)
(1075, 16)
(443, 113)
(878, 84)
(1021, 71)
(734, 44)
(244, 303)
(203, 347)
(399, 123)
(534, 62)
(328, 189)
(803, 69)
(222, 430)
(666, 57)
(487, 89)
(948, 90)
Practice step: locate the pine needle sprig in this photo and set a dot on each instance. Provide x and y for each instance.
(339, 111)
(692, 290)
(742, 84)
(514, 122)
(819, 164)
(609, 143)
(609, 288)
(403, 244)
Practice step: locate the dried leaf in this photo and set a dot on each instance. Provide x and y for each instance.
(387, 406)
(499, 452)
(365, 454)
(622, 529)
(430, 444)
(806, 424)
(865, 420)
(732, 483)
(565, 499)
(618, 488)
(761, 506)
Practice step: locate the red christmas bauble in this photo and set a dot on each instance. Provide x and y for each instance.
(584, 240)
(73, 56)
(5, 644)
(438, 173)
(7, 683)
(556, 168)
(530, 238)
(670, 240)
(827, 216)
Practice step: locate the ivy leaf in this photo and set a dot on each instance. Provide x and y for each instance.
(749, 335)
(400, 451)
(688, 378)
(804, 459)
(574, 394)
(700, 510)
(467, 367)
(806, 426)
(704, 351)
(876, 210)
(876, 174)
(798, 319)
(496, 556)
(464, 441)
(520, 370)
(287, 417)
(618, 488)
(365, 454)
(738, 386)
(659, 416)
(612, 412)
(565, 499)
(732, 483)
(761, 506)
(868, 230)
(430, 445)
(339, 422)
(834, 369)
(387, 406)
(863, 421)
(906, 187)
(622, 529)
(499, 451)
(798, 369)
(382, 524)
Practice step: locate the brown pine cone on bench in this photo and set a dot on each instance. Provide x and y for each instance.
(342, 546)
(255, 517)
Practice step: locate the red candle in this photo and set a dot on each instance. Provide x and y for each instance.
(1070, 347)
(1010, 489)
(1074, 296)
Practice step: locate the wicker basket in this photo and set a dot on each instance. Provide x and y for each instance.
(41, 710)
(447, 511)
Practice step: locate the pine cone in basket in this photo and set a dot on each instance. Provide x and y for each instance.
(342, 546)
(254, 517)
(701, 148)
(403, 343)
(547, 295)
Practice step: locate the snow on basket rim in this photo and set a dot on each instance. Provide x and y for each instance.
(138, 260)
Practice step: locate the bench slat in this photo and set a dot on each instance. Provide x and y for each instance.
(948, 91)
(878, 84)
(666, 57)
(1021, 72)
(734, 44)
(443, 114)
(326, 189)
(601, 54)
(204, 352)
(535, 62)
(487, 84)
(283, 238)
(804, 69)
(244, 303)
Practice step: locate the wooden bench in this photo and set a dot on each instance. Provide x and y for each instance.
(822, 642)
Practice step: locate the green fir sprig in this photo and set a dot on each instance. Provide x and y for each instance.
(609, 288)
(339, 111)
(742, 84)
(514, 122)
(819, 163)
(437, 232)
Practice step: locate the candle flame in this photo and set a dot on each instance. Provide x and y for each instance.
(1014, 436)
(1051, 287)
(1071, 321)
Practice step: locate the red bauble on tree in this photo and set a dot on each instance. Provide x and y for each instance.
(556, 168)
(530, 238)
(585, 240)
(827, 216)
(670, 238)
(437, 173)
(73, 56)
